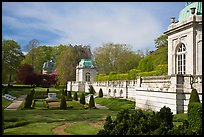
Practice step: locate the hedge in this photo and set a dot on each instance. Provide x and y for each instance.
(195, 117)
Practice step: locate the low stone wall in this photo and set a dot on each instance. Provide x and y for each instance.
(151, 92)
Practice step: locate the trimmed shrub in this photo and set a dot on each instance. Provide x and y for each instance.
(91, 90)
(91, 102)
(82, 99)
(75, 96)
(63, 104)
(48, 90)
(195, 117)
(100, 93)
(69, 95)
(65, 92)
(194, 96)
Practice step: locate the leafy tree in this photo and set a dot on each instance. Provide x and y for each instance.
(91, 102)
(41, 54)
(24, 72)
(161, 41)
(75, 96)
(67, 61)
(63, 104)
(110, 56)
(32, 44)
(11, 58)
(100, 93)
(82, 99)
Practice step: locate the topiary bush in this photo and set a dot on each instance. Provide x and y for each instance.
(91, 90)
(194, 96)
(69, 95)
(91, 102)
(48, 90)
(195, 117)
(65, 92)
(75, 96)
(63, 104)
(100, 93)
(82, 99)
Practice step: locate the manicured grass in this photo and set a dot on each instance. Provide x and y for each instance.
(59, 115)
(82, 128)
(33, 129)
(5, 102)
(115, 103)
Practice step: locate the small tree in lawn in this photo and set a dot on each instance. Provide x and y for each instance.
(63, 104)
(91, 102)
(75, 96)
(100, 93)
(91, 90)
(82, 99)
(69, 95)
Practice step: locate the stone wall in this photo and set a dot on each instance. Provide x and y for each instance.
(151, 92)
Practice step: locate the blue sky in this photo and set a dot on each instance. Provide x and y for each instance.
(88, 23)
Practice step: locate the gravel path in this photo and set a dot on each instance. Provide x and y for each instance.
(16, 103)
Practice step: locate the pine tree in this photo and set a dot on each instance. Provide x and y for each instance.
(63, 104)
(82, 99)
(100, 93)
(91, 102)
(75, 96)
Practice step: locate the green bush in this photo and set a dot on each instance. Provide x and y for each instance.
(138, 122)
(75, 96)
(91, 102)
(100, 93)
(82, 99)
(91, 90)
(195, 117)
(194, 96)
(63, 104)
(65, 92)
(48, 90)
(69, 95)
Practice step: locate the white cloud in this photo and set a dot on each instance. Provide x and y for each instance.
(88, 23)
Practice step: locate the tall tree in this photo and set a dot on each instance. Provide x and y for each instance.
(115, 57)
(11, 58)
(31, 45)
(42, 54)
(67, 61)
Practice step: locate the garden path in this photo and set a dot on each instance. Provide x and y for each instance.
(16, 103)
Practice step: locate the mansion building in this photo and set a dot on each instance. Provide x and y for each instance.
(154, 92)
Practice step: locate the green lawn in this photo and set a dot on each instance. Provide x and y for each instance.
(42, 121)
(115, 103)
(5, 102)
(33, 129)
(82, 128)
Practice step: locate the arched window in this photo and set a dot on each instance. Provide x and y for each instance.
(88, 77)
(181, 59)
